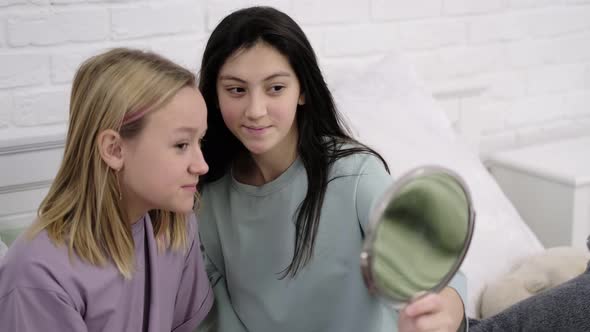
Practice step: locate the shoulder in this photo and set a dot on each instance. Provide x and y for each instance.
(38, 250)
(358, 163)
(192, 241)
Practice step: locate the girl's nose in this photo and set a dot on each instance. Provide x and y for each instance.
(256, 109)
(198, 165)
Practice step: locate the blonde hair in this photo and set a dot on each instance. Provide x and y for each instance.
(82, 207)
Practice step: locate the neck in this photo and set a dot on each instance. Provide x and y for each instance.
(134, 218)
(133, 211)
(269, 168)
(260, 169)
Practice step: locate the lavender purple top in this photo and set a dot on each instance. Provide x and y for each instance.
(41, 289)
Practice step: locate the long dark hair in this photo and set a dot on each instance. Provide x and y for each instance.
(322, 132)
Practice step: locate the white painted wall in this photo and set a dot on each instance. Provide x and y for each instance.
(507, 72)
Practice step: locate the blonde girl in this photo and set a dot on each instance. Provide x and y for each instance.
(114, 247)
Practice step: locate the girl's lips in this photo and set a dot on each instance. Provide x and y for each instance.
(256, 130)
(190, 187)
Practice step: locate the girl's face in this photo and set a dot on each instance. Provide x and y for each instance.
(258, 94)
(163, 163)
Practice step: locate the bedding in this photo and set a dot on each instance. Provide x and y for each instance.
(390, 109)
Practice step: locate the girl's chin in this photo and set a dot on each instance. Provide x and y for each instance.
(183, 210)
(257, 148)
(184, 207)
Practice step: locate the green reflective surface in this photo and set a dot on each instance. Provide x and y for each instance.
(420, 236)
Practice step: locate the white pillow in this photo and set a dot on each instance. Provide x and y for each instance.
(390, 110)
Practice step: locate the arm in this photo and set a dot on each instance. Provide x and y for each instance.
(33, 294)
(445, 309)
(372, 182)
(441, 312)
(222, 317)
(459, 285)
(33, 309)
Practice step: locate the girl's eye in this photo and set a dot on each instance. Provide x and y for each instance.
(277, 88)
(182, 146)
(236, 90)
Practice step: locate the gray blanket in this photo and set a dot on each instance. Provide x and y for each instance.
(563, 308)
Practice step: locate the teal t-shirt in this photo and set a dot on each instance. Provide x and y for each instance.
(248, 237)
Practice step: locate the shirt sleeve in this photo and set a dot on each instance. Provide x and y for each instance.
(459, 284)
(32, 309)
(372, 182)
(195, 296)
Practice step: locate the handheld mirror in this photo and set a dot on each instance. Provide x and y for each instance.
(419, 233)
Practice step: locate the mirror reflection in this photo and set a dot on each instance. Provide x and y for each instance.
(420, 233)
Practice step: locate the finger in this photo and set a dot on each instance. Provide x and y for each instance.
(436, 322)
(428, 304)
(419, 324)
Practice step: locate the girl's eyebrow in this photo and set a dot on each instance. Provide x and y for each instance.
(268, 78)
(278, 74)
(186, 129)
(190, 130)
(230, 78)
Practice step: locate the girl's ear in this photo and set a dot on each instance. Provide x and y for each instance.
(109, 147)
(301, 100)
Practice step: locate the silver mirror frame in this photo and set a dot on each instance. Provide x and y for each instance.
(375, 216)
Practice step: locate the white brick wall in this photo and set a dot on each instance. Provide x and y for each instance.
(146, 21)
(23, 69)
(507, 72)
(330, 11)
(5, 108)
(53, 27)
(40, 107)
(403, 9)
(468, 7)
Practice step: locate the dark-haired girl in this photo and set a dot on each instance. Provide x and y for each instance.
(287, 198)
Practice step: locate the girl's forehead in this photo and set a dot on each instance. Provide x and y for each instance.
(260, 53)
(186, 108)
(256, 63)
